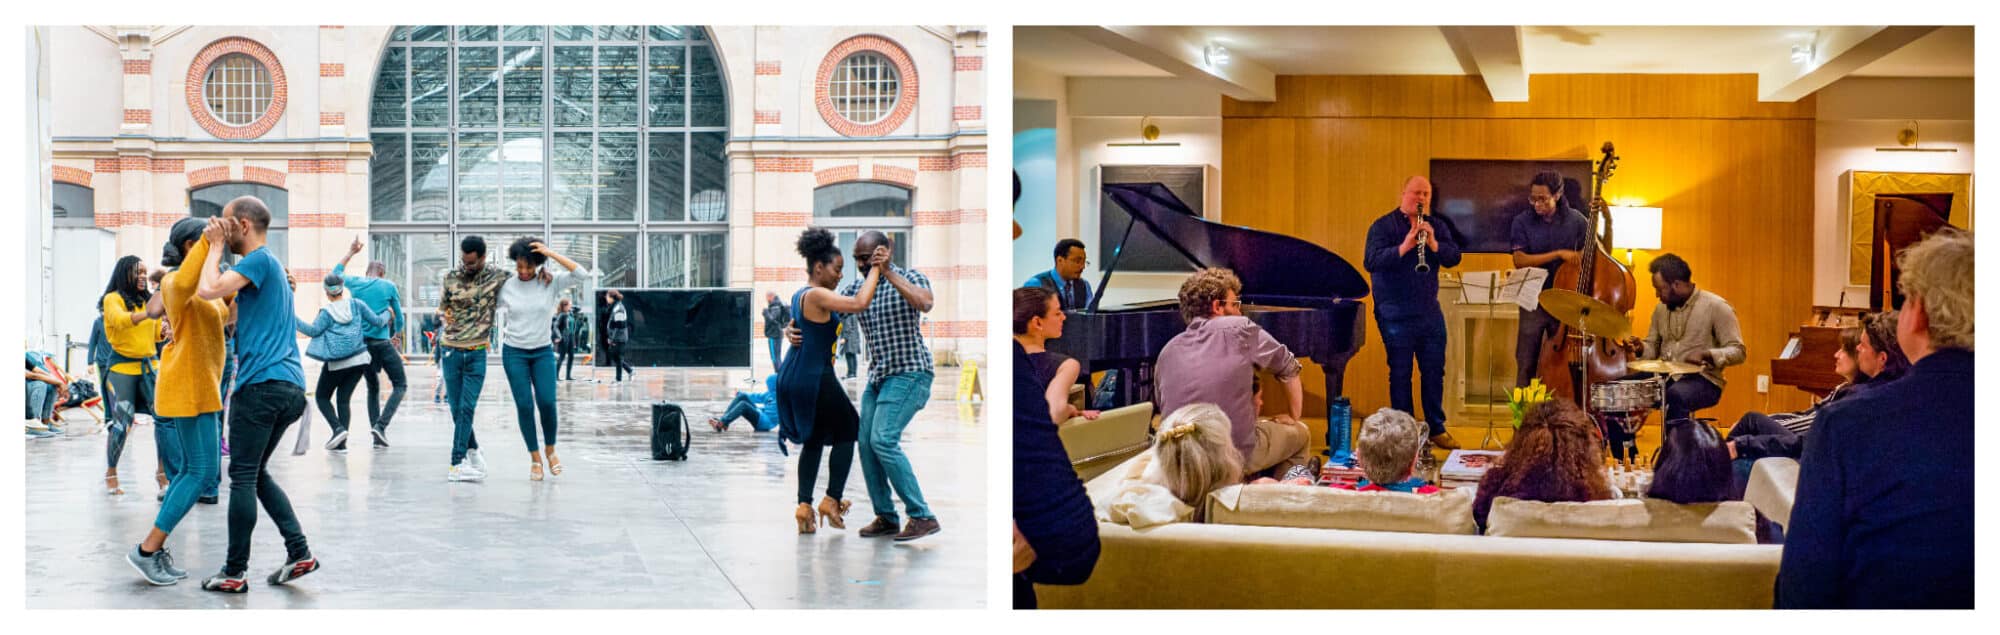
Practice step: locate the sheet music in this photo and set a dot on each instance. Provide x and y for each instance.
(1524, 287)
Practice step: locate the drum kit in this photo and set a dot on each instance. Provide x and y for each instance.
(1623, 403)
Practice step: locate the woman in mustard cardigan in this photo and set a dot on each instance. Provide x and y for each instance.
(189, 398)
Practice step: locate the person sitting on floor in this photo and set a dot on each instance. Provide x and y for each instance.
(1390, 442)
(1556, 456)
(760, 408)
(1693, 466)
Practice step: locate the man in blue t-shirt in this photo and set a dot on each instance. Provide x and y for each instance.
(270, 388)
(1547, 236)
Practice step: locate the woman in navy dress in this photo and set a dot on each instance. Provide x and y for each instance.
(812, 407)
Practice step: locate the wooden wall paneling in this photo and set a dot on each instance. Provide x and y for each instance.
(1734, 175)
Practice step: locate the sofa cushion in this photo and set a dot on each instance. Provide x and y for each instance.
(1313, 507)
(1645, 519)
(1095, 446)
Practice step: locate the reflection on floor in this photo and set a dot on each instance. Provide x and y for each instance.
(616, 530)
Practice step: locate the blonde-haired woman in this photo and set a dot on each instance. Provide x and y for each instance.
(1192, 455)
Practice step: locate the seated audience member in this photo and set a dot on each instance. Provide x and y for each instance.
(1037, 319)
(1055, 529)
(760, 408)
(1390, 441)
(1215, 360)
(1556, 456)
(1298, 474)
(1191, 456)
(1868, 355)
(46, 388)
(1693, 466)
(1883, 513)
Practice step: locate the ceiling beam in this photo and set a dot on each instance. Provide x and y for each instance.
(1174, 50)
(1495, 54)
(1837, 51)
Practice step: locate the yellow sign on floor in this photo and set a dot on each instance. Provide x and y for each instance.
(968, 381)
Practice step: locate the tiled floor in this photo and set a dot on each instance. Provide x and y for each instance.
(616, 530)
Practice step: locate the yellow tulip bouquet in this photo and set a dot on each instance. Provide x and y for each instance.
(1524, 398)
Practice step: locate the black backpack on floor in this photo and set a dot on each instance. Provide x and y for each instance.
(671, 434)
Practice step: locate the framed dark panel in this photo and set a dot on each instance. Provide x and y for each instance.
(1482, 196)
(1143, 251)
(686, 328)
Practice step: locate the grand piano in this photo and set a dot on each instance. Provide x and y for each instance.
(1305, 296)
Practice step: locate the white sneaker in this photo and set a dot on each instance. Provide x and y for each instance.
(463, 472)
(476, 460)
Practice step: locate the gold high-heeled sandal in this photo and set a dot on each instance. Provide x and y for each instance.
(535, 471)
(111, 487)
(804, 515)
(834, 512)
(555, 465)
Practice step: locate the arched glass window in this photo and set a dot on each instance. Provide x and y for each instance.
(848, 209)
(74, 204)
(207, 202)
(610, 140)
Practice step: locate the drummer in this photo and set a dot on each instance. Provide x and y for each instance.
(1690, 326)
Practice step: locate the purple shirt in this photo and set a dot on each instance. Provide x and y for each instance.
(1214, 361)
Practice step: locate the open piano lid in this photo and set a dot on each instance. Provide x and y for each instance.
(1270, 265)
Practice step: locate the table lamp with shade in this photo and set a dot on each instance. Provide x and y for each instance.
(1635, 228)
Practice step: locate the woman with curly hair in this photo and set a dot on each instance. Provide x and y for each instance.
(1556, 456)
(132, 329)
(813, 409)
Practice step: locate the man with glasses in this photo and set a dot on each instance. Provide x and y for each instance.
(1551, 234)
(1216, 360)
(1066, 279)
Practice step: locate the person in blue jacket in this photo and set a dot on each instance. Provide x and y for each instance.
(760, 408)
(339, 340)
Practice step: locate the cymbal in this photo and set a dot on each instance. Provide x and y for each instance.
(1662, 366)
(1572, 308)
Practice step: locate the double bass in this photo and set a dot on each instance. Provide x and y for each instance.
(1596, 274)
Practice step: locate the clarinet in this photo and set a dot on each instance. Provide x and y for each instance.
(1423, 265)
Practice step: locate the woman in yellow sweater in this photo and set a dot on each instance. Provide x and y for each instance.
(133, 332)
(190, 399)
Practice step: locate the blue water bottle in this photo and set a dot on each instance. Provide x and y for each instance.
(1339, 434)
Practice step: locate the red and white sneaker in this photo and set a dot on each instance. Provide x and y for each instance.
(292, 570)
(222, 582)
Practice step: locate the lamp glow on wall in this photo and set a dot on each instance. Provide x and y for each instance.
(1635, 228)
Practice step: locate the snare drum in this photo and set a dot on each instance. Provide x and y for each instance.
(1630, 395)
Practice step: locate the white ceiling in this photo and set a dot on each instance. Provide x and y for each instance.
(1055, 50)
(1946, 52)
(1423, 50)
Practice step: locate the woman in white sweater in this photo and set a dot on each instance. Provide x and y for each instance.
(527, 351)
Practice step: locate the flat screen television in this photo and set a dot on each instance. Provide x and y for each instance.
(1481, 197)
(688, 328)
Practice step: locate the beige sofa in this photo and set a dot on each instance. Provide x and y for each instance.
(1206, 566)
(1116, 435)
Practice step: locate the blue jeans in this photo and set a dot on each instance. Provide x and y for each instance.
(740, 407)
(195, 439)
(173, 449)
(464, 377)
(41, 400)
(531, 375)
(886, 409)
(1421, 340)
(776, 347)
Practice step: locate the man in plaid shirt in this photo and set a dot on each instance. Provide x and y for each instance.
(899, 384)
